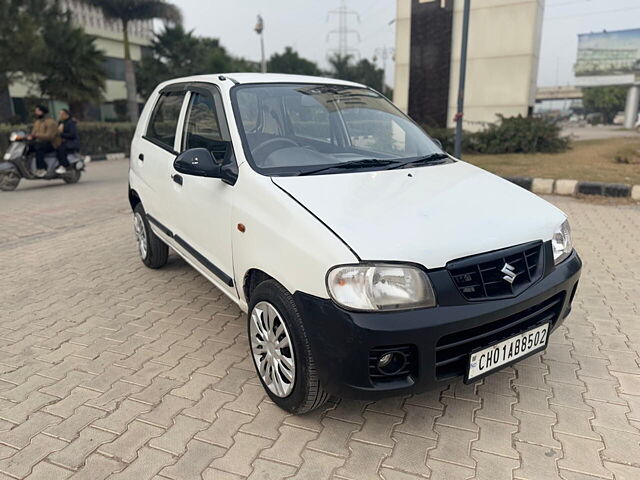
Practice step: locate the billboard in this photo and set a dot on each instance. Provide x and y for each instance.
(608, 58)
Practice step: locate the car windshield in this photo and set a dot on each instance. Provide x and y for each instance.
(294, 129)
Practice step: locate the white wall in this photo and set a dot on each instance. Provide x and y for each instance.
(502, 59)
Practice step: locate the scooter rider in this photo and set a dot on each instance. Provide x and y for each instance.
(45, 134)
(70, 140)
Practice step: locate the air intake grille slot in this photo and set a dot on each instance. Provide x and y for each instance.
(482, 277)
(452, 351)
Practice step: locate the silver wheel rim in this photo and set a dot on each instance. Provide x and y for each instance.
(272, 349)
(141, 235)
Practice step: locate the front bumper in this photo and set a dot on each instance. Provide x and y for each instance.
(438, 340)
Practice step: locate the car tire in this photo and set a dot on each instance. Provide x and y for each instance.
(305, 393)
(153, 251)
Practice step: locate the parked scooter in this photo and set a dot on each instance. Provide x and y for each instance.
(20, 163)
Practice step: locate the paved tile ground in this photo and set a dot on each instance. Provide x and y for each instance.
(108, 369)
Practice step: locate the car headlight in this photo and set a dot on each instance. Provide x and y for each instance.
(375, 287)
(561, 243)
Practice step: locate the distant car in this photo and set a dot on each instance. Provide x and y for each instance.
(619, 118)
(370, 262)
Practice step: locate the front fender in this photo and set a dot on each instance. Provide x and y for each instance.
(6, 167)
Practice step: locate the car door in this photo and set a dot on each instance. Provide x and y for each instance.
(200, 207)
(157, 152)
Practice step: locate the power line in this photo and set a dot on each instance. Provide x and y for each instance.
(343, 31)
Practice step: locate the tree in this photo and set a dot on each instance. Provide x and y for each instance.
(19, 39)
(178, 53)
(363, 71)
(605, 100)
(71, 67)
(127, 11)
(290, 62)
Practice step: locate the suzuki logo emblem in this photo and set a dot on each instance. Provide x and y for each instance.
(509, 273)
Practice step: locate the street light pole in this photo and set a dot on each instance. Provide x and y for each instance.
(463, 74)
(259, 29)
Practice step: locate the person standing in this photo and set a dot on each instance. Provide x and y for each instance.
(70, 140)
(45, 136)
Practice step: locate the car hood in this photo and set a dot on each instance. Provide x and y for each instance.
(427, 215)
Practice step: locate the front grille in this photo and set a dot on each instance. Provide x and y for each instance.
(407, 368)
(481, 276)
(452, 350)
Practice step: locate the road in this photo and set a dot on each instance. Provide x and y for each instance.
(109, 369)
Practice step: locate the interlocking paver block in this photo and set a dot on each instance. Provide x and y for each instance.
(239, 457)
(118, 420)
(148, 463)
(454, 446)
(536, 429)
(268, 421)
(20, 435)
(47, 471)
(289, 445)
(537, 462)
(364, 461)
(263, 469)
(70, 428)
(622, 447)
(175, 439)
(582, 455)
(410, 454)
(20, 463)
(126, 446)
(496, 437)
(334, 437)
(75, 453)
(459, 414)
(196, 459)
(162, 415)
(448, 471)
(221, 431)
(317, 466)
(377, 429)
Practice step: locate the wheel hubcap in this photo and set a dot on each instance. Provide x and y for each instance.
(272, 349)
(141, 235)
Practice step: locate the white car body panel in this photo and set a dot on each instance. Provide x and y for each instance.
(297, 228)
(427, 215)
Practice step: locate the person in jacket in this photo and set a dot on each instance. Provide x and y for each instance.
(70, 140)
(44, 135)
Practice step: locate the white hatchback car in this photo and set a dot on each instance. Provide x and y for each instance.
(370, 262)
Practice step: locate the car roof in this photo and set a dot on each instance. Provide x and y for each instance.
(246, 77)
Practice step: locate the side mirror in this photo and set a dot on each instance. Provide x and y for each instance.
(438, 143)
(198, 162)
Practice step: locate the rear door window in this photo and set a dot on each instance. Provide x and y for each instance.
(164, 119)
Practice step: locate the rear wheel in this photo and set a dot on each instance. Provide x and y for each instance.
(9, 181)
(281, 352)
(153, 251)
(72, 176)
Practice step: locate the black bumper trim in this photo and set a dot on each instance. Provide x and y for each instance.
(341, 340)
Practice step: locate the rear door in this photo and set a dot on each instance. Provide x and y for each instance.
(157, 153)
(200, 207)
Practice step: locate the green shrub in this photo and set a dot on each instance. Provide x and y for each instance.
(96, 138)
(509, 135)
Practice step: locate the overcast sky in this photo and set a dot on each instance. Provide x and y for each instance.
(305, 25)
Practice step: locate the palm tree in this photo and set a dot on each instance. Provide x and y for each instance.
(127, 11)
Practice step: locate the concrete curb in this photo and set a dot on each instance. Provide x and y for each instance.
(107, 156)
(563, 186)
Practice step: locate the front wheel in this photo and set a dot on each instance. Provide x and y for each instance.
(72, 176)
(9, 181)
(281, 352)
(153, 251)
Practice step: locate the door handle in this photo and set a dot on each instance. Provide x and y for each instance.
(141, 157)
(177, 178)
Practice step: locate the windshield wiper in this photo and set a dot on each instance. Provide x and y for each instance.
(355, 164)
(431, 158)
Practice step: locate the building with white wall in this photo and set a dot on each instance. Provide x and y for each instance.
(108, 35)
(502, 59)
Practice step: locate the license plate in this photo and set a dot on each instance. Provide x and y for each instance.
(485, 360)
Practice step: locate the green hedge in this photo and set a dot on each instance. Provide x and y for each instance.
(96, 138)
(510, 135)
